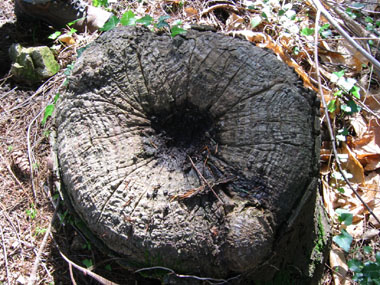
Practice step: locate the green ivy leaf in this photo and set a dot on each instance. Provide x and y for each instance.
(325, 31)
(87, 262)
(354, 265)
(368, 19)
(128, 19)
(346, 83)
(343, 131)
(371, 270)
(110, 24)
(367, 249)
(355, 91)
(176, 30)
(338, 93)
(339, 74)
(98, 3)
(331, 106)
(146, 20)
(354, 107)
(350, 13)
(307, 32)
(73, 22)
(55, 35)
(162, 22)
(281, 12)
(346, 108)
(48, 112)
(255, 21)
(344, 216)
(343, 240)
(56, 97)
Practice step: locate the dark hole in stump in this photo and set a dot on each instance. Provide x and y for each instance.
(184, 127)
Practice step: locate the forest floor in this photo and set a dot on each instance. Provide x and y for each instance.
(348, 80)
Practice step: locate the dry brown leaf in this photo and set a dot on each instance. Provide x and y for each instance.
(359, 124)
(328, 55)
(372, 195)
(339, 265)
(67, 39)
(325, 154)
(376, 211)
(234, 22)
(369, 144)
(372, 101)
(190, 11)
(369, 234)
(353, 58)
(352, 165)
(356, 229)
(372, 162)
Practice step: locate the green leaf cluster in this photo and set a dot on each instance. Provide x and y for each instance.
(367, 272)
(49, 109)
(100, 3)
(31, 212)
(129, 19)
(344, 239)
(346, 93)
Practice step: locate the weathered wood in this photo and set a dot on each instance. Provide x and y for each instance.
(191, 153)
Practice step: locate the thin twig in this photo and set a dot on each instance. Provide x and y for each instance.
(328, 122)
(333, 22)
(30, 154)
(72, 275)
(5, 254)
(85, 271)
(204, 180)
(207, 279)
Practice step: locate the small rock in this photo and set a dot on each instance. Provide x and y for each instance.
(32, 65)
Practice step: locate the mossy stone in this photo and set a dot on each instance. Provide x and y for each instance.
(32, 65)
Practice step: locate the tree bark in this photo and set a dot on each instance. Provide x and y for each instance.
(191, 152)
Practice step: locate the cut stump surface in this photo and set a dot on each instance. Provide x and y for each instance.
(189, 152)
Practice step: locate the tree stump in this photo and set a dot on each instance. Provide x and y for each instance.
(198, 153)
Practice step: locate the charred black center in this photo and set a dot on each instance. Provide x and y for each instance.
(183, 127)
